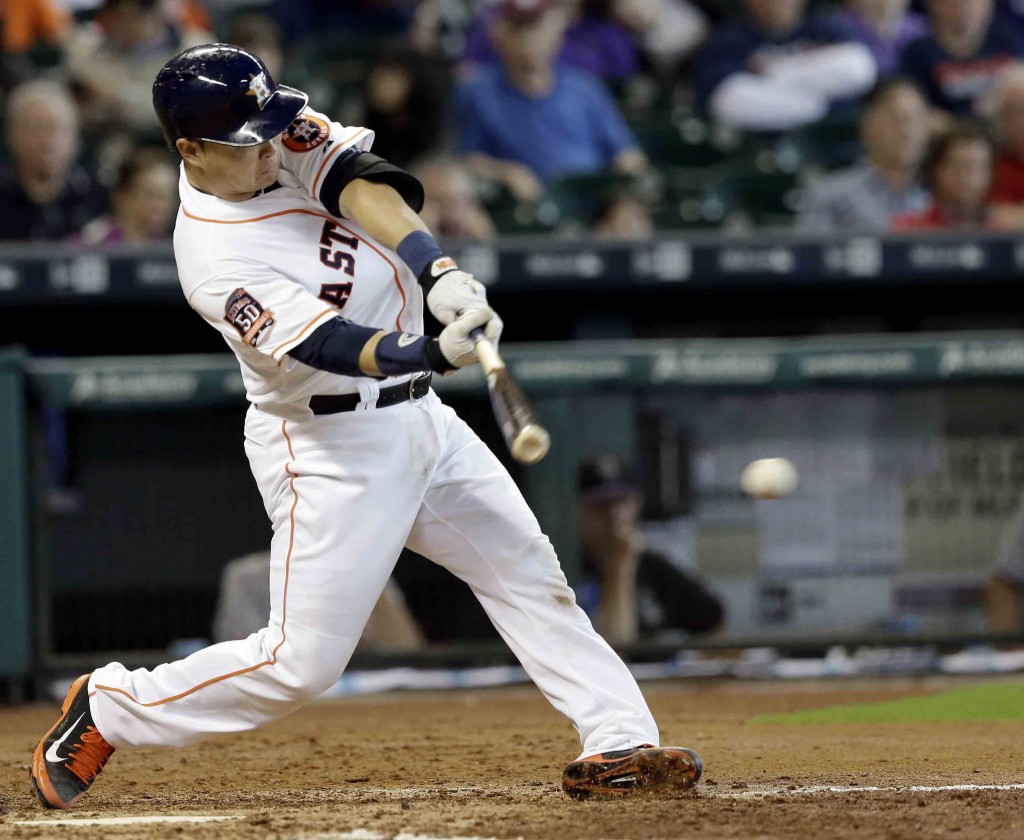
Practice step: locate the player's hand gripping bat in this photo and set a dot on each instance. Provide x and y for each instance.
(527, 439)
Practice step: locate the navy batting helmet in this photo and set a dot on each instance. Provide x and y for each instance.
(221, 93)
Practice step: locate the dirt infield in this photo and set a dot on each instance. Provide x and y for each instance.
(487, 764)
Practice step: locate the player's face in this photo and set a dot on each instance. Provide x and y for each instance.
(965, 174)
(234, 173)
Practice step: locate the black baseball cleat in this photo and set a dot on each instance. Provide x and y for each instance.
(643, 768)
(70, 756)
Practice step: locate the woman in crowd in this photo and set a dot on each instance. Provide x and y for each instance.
(144, 200)
(959, 174)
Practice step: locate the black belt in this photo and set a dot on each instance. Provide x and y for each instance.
(415, 389)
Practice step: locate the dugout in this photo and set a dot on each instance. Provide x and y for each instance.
(911, 453)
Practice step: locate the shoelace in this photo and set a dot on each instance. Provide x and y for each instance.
(89, 755)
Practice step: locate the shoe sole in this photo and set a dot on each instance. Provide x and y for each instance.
(40, 780)
(652, 770)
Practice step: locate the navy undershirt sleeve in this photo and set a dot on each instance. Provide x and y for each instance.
(336, 346)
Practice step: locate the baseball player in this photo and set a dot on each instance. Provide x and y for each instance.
(305, 251)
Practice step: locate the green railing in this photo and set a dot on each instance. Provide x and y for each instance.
(553, 370)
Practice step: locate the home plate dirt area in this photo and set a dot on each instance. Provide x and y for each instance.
(487, 763)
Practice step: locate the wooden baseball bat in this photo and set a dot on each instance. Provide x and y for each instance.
(526, 438)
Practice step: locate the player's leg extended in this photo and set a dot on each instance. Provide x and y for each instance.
(475, 522)
(342, 492)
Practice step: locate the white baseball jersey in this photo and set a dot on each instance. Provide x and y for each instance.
(268, 271)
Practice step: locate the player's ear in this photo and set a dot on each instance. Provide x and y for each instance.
(189, 149)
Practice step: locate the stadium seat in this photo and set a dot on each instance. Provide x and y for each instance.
(579, 197)
(682, 206)
(766, 193)
(687, 140)
(827, 146)
(512, 217)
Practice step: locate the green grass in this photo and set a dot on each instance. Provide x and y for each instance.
(987, 701)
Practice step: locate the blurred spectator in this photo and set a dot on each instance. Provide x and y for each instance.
(1004, 595)
(452, 207)
(529, 120)
(627, 590)
(25, 27)
(667, 30)
(260, 34)
(885, 27)
(243, 607)
(1007, 195)
(593, 41)
(959, 174)
(404, 99)
(43, 193)
(624, 216)
(337, 22)
(114, 59)
(440, 27)
(143, 200)
(777, 67)
(957, 64)
(894, 131)
(25, 24)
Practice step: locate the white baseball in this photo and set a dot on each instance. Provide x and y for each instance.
(769, 478)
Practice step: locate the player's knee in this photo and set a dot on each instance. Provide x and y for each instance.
(304, 673)
(544, 572)
(305, 679)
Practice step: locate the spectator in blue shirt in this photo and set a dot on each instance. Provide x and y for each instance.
(595, 44)
(529, 120)
(778, 68)
(958, 63)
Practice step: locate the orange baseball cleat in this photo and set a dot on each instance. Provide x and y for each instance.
(70, 756)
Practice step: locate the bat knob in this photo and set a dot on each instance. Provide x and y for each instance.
(531, 444)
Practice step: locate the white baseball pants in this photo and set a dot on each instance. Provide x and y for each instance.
(345, 493)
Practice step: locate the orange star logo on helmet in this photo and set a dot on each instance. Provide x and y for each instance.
(260, 88)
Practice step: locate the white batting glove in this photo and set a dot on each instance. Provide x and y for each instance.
(454, 292)
(458, 346)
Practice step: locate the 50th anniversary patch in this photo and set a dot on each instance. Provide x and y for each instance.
(248, 316)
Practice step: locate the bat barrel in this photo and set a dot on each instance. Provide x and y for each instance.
(526, 439)
(531, 444)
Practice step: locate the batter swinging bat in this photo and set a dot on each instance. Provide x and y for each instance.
(527, 439)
